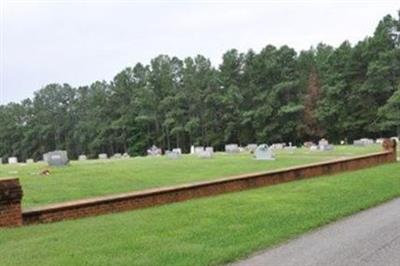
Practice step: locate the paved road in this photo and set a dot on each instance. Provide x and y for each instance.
(369, 238)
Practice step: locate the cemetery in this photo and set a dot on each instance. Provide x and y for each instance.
(187, 159)
(138, 173)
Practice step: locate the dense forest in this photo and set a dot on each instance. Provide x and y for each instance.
(276, 95)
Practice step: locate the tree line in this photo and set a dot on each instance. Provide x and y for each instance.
(275, 95)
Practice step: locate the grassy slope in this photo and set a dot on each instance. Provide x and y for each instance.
(94, 178)
(206, 231)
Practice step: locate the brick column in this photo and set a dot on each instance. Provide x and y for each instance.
(10, 202)
(390, 145)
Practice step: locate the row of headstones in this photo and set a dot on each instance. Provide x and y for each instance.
(55, 158)
(14, 160)
(366, 141)
(63, 154)
(60, 158)
(323, 145)
(176, 153)
(234, 148)
(104, 156)
(261, 152)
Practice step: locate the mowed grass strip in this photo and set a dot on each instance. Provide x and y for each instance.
(208, 231)
(95, 177)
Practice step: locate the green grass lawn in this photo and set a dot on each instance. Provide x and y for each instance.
(96, 177)
(208, 231)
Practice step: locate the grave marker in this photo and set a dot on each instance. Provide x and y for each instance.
(205, 154)
(57, 158)
(12, 160)
(278, 146)
(308, 144)
(251, 148)
(313, 147)
(210, 150)
(103, 156)
(154, 151)
(117, 156)
(264, 153)
(232, 148)
(324, 145)
(177, 150)
(82, 157)
(198, 149)
(363, 142)
(173, 155)
(46, 157)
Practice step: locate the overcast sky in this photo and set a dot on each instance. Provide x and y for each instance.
(78, 42)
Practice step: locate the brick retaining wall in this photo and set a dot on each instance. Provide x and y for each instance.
(154, 197)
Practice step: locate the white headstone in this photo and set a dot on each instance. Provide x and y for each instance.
(192, 149)
(205, 154)
(210, 150)
(251, 147)
(103, 156)
(313, 147)
(154, 151)
(12, 160)
(290, 148)
(232, 148)
(278, 146)
(308, 144)
(264, 153)
(173, 155)
(29, 161)
(198, 150)
(117, 156)
(363, 142)
(82, 157)
(126, 155)
(328, 147)
(177, 150)
(46, 157)
(324, 145)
